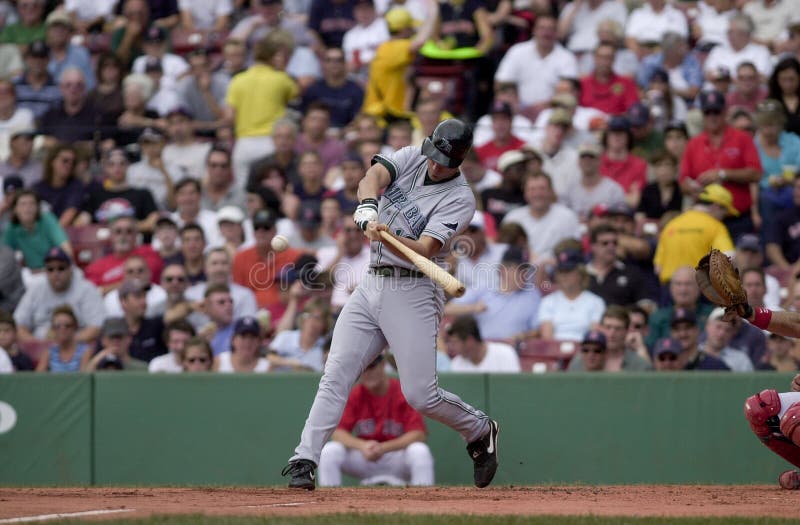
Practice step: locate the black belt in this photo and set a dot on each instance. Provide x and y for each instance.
(394, 271)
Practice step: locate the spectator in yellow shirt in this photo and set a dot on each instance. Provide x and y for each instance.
(257, 98)
(689, 236)
(387, 94)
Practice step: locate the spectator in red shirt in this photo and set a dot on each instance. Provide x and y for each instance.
(619, 164)
(502, 115)
(380, 438)
(107, 273)
(604, 89)
(724, 155)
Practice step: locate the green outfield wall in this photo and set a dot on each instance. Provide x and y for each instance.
(139, 429)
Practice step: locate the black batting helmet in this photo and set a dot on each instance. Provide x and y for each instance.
(449, 143)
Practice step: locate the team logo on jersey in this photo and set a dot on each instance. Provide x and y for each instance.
(414, 219)
(452, 225)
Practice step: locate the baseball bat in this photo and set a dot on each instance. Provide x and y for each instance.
(450, 284)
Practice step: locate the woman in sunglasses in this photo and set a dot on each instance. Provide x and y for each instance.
(66, 354)
(197, 355)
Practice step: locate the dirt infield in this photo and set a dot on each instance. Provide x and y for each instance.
(640, 500)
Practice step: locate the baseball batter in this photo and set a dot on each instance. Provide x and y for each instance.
(774, 417)
(426, 203)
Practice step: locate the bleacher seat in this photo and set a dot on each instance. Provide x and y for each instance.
(34, 349)
(545, 355)
(90, 242)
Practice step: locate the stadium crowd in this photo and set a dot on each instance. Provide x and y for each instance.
(152, 149)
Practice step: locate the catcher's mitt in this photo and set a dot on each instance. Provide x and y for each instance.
(720, 283)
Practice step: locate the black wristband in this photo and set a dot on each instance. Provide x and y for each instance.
(748, 311)
(370, 200)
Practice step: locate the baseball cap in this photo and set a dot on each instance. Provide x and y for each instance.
(594, 337)
(114, 326)
(667, 345)
(718, 194)
(352, 156)
(58, 17)
(638, 115)
(749, 241)
(22, 131)
(478, 221)
(676, 125)
(303, 269)
(154, 34)
(230, 214)
(12, 183)
(712, 101)
(247, 325)
(682, 315)
(591, 149)
(398, 18)
(659, 75)
(619, 208)
(165, 220)
(560, 117)
(514, 255)
(310, 215)
(510, 158)
(263, 218)
(501, 108)
(133, 286)
(568, 260)
(619, 123)
(564, 100)
(720, 73)
(151, 135)
(38, 49)
(57, 254)
(180, 110)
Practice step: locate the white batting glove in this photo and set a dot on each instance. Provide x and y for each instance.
(366, 212)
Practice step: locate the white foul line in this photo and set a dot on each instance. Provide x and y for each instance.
(275, 505)
(44, 517)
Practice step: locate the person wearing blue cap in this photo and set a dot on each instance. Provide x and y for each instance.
(244, 353)
(593, 351)
(667, 355)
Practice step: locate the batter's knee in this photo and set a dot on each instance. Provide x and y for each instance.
(790, 423)
(759, 408)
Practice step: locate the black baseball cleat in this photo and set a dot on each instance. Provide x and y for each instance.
(302, 474)
(484, 454)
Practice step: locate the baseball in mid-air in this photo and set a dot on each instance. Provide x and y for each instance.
(279, 243)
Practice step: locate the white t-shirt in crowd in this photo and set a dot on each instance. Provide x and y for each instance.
(174, 67)
(165, 364)
(499, 357)
(645, 25)
(6, 366)
(206, 12)
(583, 33)
(536, 76)
(726, 56)
(347, 273)
(545, 232)
(365, 40)
(225, 366)
(156, 298)
(188, 160)
(571, 318)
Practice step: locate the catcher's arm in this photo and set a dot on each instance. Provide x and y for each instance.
(782, 323)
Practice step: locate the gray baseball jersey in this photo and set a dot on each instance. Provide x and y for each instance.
(401, 312)
(411, 208)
